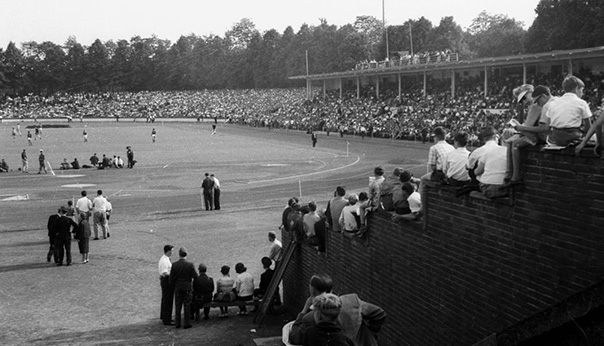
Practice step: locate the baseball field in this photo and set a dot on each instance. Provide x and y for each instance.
(114, 299)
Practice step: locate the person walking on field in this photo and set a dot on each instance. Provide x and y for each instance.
(153, 135)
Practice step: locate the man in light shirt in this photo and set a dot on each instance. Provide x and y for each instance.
(569, 114)
(454, 165)
(167, 294)
(348, 221)
(99, 205)
(276, 251)
(216, 192)
(492, 164)
(83, 205)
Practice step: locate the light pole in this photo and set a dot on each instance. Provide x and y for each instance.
(385, 30)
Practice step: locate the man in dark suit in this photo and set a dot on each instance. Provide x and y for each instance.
(208, 188)
(62, 229)
(203, 287)
(51, 234)
(181, 276)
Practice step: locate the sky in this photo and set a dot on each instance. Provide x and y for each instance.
(56, 20)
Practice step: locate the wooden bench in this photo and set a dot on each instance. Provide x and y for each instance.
(213, 304)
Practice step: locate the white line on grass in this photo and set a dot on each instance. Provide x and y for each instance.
(307, 174)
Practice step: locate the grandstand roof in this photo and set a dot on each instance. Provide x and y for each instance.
(512, 60)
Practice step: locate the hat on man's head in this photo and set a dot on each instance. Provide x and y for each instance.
(182, 252)
(521, 91)
(397, 171)
(541, 90)
(41, 149)
(63, 210)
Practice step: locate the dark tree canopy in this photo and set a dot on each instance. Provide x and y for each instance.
(247, 58)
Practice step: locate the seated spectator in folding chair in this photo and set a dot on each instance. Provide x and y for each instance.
(569, 115)
(203, 287)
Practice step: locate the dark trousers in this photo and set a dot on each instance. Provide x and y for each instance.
(51, 249)
(182, 296)
(198, 301)
(167, 299)
(245, 299)
(217, 199)
(208, 199)
(62, 249)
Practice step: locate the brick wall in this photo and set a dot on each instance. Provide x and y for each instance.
(479, 267)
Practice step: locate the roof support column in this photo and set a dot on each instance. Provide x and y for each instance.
(486, 81)
(570, 67)
(308, 88)
(358, 87)
(523, 73)
(452, 83)
(399, 86)
(340, 87)
(377, 87)
(324, 88)
(425, 82)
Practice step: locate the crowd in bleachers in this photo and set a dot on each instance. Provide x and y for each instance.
(407, 59)
(410, 116)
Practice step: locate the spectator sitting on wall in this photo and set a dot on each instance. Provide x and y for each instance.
(348, 221)
(373, 202)
(401, 205)
(359, 320)
(436, 157)
(310, 219)
(334, 209)
(596, 128)
(491, 164)
(454, 165)
(568, 114)
(388, 186)
(326, 331)
(532, 132)
(285, 215)
(414, 205)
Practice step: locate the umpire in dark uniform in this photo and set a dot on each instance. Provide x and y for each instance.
(62, 228)
(182, 275)
(51, 234)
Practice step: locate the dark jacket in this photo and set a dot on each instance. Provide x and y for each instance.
(203, 285)
(51, 221)
(182, 273)
(326, 334)
(62, 227)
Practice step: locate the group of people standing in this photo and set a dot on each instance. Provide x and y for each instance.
(210, 187)
(75, 220)
(188, 290)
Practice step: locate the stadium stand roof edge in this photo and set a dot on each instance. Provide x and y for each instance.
(512, 60)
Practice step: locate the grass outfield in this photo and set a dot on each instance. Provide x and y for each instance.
(114, 299)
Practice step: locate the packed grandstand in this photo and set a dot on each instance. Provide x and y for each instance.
(406, 117)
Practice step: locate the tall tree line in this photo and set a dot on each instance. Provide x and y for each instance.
(248, 58)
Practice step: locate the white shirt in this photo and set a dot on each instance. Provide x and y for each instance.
(568, 111)
(415, 202)
(494, 162)
(244, 284)
(216, 183)
(347, 219)
(83, 204)
(99, 203)
(455, 163)
(164, 265)
(276, 252)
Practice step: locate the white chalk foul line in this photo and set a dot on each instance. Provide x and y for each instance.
(307, 174)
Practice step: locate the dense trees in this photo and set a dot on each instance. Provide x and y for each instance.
(247, 58)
